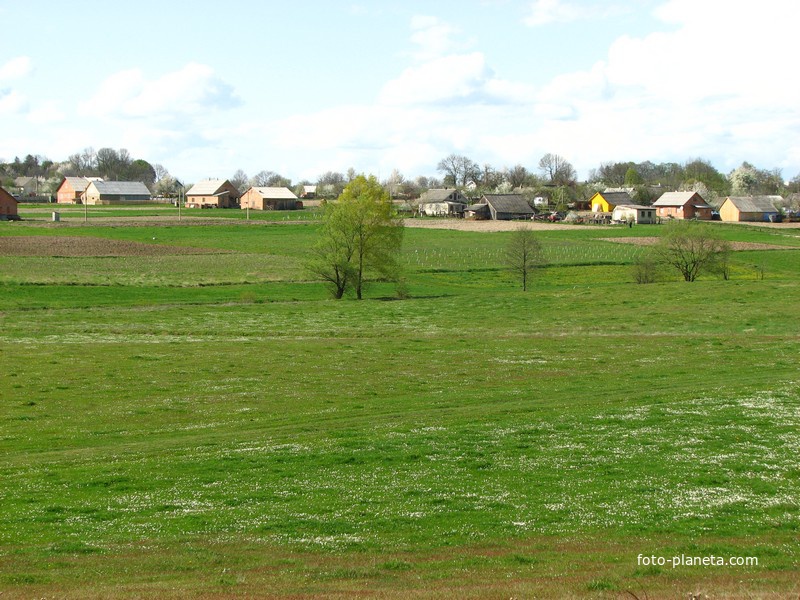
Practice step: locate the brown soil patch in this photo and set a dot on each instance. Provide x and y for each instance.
(650, 241)
(88, 246)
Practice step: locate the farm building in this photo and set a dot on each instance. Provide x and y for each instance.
(442, 203)
(27, 186)
(70, 190)
(479, 212)
(269, 198)
(115, 192)
(309, 192)
(748, 208)
(8, 206)
(212, 193)
(507, 207)
(682, 205)
(634, 213)
(606, 201)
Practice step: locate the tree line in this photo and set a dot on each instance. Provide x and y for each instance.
(554, 177)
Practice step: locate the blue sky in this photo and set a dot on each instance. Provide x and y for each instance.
(300, 88)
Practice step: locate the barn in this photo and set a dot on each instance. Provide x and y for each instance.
(269, 198)
(115, 192)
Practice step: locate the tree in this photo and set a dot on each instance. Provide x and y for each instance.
(270, 179)
(361, 237)
(517, 176)
(459, 170)
(557, 170)
(240, 180)
(692, 248)
(523, 254)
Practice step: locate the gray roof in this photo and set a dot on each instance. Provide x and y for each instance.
(442, 195)
(616, 197)
(121, 188)
(477, 207)
(209, 187)
(508, 203)
(77, 183)
(275, 193)
(753, 204)
(681, 199)
(635, 206)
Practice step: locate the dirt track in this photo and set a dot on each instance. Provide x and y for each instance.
(88, 246)
(650, 241)
(491, 226)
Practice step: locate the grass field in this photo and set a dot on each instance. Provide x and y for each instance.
(209, 424)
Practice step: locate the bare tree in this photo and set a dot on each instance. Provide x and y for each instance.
(523, 254)
(557, 169)
(240, 180)
(692, 248)
(517, 176)
(459, 170)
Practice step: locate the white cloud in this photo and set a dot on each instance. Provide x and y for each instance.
(12, 102)
(433, 37)
(16, 68)
(189, 91)
(46, 113)
(544, 12)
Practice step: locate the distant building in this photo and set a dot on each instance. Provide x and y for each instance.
(213, 193)
(8, 206)
(749, 208)
(70, 190)
(605, 202)
(634, 213)
(507, 207)
(442, 203)
(115, 192)
(682, 205)
(269, 198)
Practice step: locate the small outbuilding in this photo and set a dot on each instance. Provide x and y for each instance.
(634, 213)
(70, 190)
(507, 207)
(8, 206)
(269, 198)
(682, 205)
(213, 193)
(442, 203)
(115, 192)
(749, 208)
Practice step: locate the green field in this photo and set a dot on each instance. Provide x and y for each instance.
(213, 425)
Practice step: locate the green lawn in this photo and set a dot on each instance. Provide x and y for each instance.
(215, 426)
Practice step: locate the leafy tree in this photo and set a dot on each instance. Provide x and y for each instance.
(523, 254)
(692, 248)
(361, 237)
(632, 177)
(517, 176)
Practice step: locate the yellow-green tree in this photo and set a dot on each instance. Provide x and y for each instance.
(360, 238)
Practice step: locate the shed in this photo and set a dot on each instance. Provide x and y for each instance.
(115, 192)
(8, 206)
(507, 207)
(682, 205)
(634, 213)
(748, 208)
(212, 193)
(479, 212)
(269, 198)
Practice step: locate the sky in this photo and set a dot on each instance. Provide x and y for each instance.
(300, 88)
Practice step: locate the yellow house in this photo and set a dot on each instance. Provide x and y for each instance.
(608, 201)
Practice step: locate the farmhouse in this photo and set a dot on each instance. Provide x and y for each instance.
(269, 198)
(442, 203)
(748, 208)
(507, 207)
(634, 213)
(682, 205)
(70, 190)
(27, 186)
(606, 201)
(309, 192)
(8, 206)
(115, 192)
(212, 193)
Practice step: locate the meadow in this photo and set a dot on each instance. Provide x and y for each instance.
(212, 425)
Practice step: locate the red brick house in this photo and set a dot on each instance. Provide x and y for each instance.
(8, 206)
(70, 190)
(682, 205)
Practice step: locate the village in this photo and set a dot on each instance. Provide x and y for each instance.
(613, 205)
